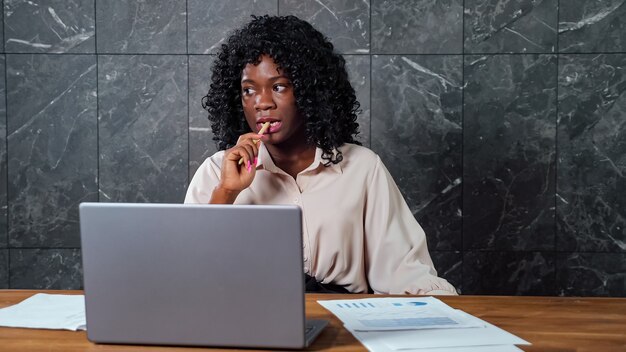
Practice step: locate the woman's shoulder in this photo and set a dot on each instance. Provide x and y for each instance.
(359, 159)
(355, 152)
(214, 161)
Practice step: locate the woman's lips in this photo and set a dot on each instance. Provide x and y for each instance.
(274, 126)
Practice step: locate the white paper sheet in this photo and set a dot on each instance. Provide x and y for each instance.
(379, 346)
(45, 311)
(438, 338)
(380, 314)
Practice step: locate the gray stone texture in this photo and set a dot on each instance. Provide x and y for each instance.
(210, 22)
(49, 26)
(3, 158)
(358, 67)
(4, 268)
(509, 273)
(416, 130)
(142, 137)
(50, 269)
(417, 27)
(142, 26)
(52, 164)
(201, 143)
(449, 264)
(501, 121)
(592, 26)
(591, 191)
(591, 274)
(2, 27)
(345, 22)
(509, 152)
(510, 26)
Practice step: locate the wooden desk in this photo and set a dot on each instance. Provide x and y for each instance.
(549, 323)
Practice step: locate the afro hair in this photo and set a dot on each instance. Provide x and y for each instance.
(324, 97)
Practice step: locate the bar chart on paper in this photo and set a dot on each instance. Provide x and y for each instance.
(397, 314)
(419, 324)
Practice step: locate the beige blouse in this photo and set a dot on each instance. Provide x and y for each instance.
(357, 228)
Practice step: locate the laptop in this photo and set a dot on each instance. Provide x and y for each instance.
(195, 275)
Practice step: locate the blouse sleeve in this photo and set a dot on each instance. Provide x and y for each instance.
(204, 181)
(397, 260)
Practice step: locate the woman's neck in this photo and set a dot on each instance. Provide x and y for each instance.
(292, 157)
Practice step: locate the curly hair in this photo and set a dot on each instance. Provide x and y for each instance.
(324, 97)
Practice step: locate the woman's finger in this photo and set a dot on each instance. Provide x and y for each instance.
(249, 136)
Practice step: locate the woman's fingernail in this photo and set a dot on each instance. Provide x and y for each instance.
(248, 164)
(256, 161)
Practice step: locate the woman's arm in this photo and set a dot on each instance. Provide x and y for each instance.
(398, 261)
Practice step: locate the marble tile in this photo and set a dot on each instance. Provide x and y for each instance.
(449, 265)
(417, 27)
(509, 273)
(49, 26)
(52, 164)
(210, 22)
(4, 268)
(510, 26)
(54, 269)
(142, 27)
(591, 274)
(345, 22)
(592, 26)
(509, 141)
(201, 143)
(143, 128)
(358, 67)
(3, 158)
(416, 130)
(591, 197)
(2, 26)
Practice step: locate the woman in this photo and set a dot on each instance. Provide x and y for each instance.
(358, 233)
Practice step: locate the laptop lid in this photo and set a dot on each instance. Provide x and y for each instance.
(205, 275)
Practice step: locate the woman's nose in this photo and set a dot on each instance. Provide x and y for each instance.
(264, 100)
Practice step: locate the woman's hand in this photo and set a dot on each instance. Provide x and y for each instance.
(235, 176)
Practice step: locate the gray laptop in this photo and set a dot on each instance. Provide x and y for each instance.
(198, 275)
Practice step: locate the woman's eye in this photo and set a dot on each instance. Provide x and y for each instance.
(279, 87)
(247, 91)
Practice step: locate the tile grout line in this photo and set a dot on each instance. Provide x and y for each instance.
(95, 37)
(369, 142)
(6, 160)
(6, 141)
(188, 125)
(354, 54)
(462, 143)
(4, 49)
(556, 151)
(543, 251)
(188, 116)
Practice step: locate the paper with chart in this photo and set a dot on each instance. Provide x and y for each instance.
(476, 339)
(380, 314)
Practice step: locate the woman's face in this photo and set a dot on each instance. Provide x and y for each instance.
(267, 96)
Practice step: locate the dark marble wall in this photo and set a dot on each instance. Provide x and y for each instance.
(502, 121)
